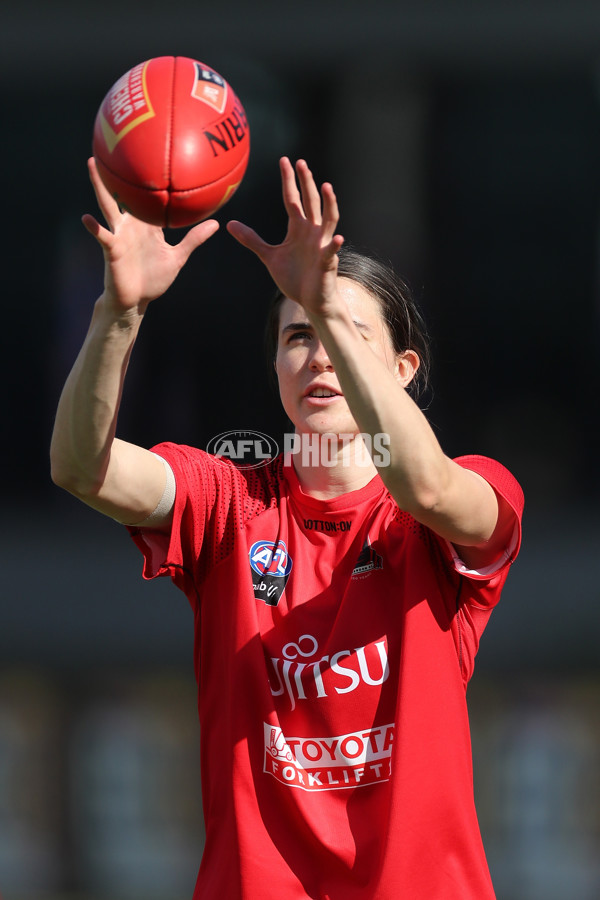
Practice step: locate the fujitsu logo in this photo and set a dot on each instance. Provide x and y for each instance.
(304, 675)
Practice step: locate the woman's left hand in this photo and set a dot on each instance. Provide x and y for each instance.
(304, 265)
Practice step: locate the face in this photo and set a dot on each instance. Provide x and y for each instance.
(308, 386)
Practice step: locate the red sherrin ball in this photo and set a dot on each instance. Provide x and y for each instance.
(171, 141)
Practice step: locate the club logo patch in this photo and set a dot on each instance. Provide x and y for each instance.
(368, 560)
(271, 565)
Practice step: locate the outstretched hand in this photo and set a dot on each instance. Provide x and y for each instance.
(139, 263)
(304, 265)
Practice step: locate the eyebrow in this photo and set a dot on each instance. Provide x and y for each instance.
(306, 326)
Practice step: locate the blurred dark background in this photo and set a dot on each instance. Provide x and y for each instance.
(463, 142)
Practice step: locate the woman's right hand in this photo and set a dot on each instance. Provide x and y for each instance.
(140, 265)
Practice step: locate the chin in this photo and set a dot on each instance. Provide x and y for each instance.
(321, 421)
(319, 424)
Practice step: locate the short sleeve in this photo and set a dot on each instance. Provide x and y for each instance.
(507, 487)
(213, 500)
(474, 594)
(203, 492)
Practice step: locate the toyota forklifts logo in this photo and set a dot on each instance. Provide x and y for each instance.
(247, 449)
(329, 763)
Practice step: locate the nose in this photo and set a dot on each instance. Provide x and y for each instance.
(319, 361)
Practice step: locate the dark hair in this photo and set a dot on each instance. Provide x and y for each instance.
(399, 309)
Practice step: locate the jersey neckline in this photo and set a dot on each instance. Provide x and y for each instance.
(348, 500)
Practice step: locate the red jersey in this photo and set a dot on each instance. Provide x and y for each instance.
(334, 640)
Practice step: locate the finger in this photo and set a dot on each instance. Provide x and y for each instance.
(196, 236)
(335, 246)
(292, 200)
(329, 254)
(331, 212)
(248, 238)
(102, 235)
(92, 225)
(108, 205)
(311, 199)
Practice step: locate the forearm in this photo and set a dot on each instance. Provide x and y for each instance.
(417, 471)
(87, 412)
(455, 503)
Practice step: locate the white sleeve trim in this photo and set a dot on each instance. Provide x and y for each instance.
(487, 571)
(166, 502)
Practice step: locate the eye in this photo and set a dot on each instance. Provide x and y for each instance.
(299, 335)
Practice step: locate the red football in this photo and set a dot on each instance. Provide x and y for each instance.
(171, 141)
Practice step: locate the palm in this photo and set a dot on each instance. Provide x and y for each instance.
(301, 266)
(304, 265)
(139, 263)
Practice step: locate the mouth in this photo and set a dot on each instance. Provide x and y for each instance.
(321, 390)
(320, 394)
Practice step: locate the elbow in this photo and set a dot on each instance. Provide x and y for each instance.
(416, 496)
(63, 478)
(425, 503)
(420, 484)
(68, 473)
(61, 472)
(429, 490)
(70, 480)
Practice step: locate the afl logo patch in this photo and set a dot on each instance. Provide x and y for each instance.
(210, 87)
(270, 565)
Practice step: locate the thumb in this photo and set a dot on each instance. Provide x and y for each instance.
(248, 238)
(197, 235)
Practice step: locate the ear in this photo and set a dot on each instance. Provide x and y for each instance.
(407, 364)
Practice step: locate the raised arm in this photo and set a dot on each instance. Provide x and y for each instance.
(117, 478)
(456, 503)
